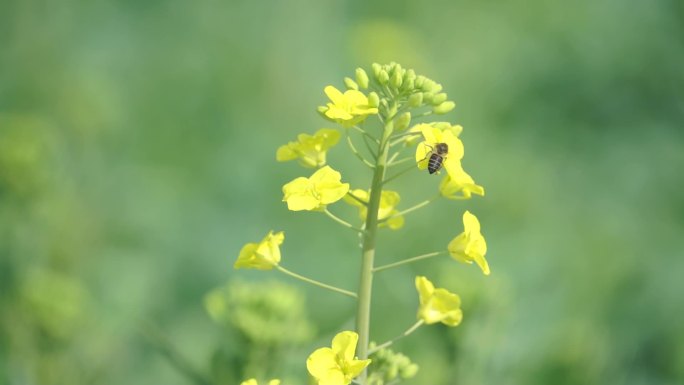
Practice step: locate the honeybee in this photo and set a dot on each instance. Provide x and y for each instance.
(437, 155)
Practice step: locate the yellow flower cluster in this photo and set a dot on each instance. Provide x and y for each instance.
(322, 188)
(337, 365)
(387, 213)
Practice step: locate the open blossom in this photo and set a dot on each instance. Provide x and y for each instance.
(387, 212)
(337, 365)
(470, 245)
(437, 305)
(310, 150)
(322, 188)
(434, 135)
(461, 187)
(348, 108)
(263, 255)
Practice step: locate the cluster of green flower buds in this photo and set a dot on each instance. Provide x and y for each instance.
(387, 366)
(392, 82)
(267, 313)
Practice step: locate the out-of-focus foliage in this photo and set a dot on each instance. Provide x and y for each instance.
(137, 155)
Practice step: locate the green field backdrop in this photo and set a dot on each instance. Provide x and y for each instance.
(137, 156)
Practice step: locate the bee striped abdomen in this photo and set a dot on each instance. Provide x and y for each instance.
(435, 163)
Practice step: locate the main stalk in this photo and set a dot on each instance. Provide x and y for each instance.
(368, 247)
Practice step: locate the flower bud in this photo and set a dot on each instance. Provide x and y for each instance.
(383, 77)
(439, 99)
(410, 75)
(392, 371)
(373, 100)
(376, 69)
(428, 84)
(408, 84)
(362, 78)
(408, 371)
(427, 97)
(420, 81)
(436, 87)
(403, 121)
(397, 79)
(351, 84)
(444, 107)
(415, 100)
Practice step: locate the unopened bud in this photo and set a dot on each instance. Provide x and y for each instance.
(351, 84)
(373, 100)
(408, 371)
(415, 100)
(439, 99)
(408, 84)
(376, 69)
(420, 81)
(444, 107)
(410, 75)
(436, 87)
(427, 97)
(397, 79)
(403, 121)
(428, 84)
(362, 78)
(383, 77)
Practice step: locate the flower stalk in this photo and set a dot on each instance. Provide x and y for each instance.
(368, 246)
(316, 283)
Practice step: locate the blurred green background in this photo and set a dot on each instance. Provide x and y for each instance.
(137, 156)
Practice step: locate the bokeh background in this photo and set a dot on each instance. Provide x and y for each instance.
(137, 156)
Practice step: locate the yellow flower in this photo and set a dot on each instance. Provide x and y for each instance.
(464, 184)
(322, 188)
(388, 203)
(263, 255)
(437, 305)
(337, 365)
(470, 245)
(253, 381)
(432, 136)
(309, 149)
(347, 109)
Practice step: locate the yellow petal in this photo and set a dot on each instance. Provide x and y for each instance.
(274, 382)
(344, 345)
(285, 153)
(251, 381)
(322, 364)
(457, 248)
(425, 288)
(249, 259)
(335, 112)
(355, 367)
(470, 223)
(334, 94)
(356, 98)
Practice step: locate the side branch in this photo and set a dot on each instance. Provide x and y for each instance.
(358, 154)
(316, 283)
(409, 260)
(342, 221)
(402, 335)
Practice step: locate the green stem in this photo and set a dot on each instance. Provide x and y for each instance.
(354, 197)
(368, 247)
(357, 153)
(400, 161)
(341, 221)
(410, 209)
(398, 174)
(316, 283)
(402, 335)
(365, 134)
(409, 260)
